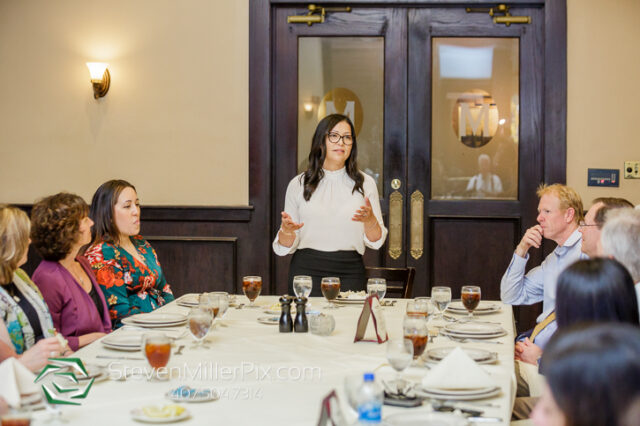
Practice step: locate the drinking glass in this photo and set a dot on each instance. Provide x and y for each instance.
(377, 286)
(157, 350)
(302, 285)
(419, 306)
(415, 329)
(252, 286)
(470, 295)
(441, 298)
(200, 321)
(399, 355)
(224, 304)
(330, 287)
(210, 302)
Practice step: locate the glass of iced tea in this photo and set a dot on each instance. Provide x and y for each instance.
(330, 287)
(251, 287)
(416, 330)
(470, 295)
(200, 320)
(157, 350)
(224, 305)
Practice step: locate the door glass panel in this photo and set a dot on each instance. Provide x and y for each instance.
(343, 75)
(475, 118)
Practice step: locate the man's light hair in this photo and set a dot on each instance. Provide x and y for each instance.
(568, 197)
(621, 239)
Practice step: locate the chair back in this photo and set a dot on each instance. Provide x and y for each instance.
(399, 280)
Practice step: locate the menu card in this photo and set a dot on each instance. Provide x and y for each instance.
(375, 330)
(330, 412)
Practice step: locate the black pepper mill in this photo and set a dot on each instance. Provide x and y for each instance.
(286, 323)
(301, 325)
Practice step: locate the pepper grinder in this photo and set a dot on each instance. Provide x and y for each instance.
(286, 323)
(301, 325)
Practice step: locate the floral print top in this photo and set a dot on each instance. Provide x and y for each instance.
(129, 286)
(18, 325)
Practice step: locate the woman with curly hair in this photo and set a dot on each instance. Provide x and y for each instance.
(60, 228)
(331, 211)
(26, 328)
(125, 264)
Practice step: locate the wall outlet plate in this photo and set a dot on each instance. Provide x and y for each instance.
(632, 169)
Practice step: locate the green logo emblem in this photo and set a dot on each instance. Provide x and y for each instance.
(64, 370)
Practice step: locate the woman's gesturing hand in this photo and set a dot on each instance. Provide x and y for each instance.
(365, 214)
(288, 228)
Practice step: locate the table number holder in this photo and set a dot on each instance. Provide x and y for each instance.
(330, 412)
(371, 310)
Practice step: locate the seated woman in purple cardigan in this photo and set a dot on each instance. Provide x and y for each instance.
(60, 227)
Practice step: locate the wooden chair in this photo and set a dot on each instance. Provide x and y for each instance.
(399, 280)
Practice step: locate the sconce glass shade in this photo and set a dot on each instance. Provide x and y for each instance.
(96, 69)
(100, 78)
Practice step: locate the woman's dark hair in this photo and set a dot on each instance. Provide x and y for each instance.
(594, 372)
(314, 173)
(55, 223)
(595, 290)
(101, 212)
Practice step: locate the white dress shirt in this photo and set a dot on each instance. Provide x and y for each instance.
(327, 215)
(539, 284)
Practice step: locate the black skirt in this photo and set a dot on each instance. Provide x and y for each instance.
(346, 265)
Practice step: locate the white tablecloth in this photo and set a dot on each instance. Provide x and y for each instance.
(266, 377)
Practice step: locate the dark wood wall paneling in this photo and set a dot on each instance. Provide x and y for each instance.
(200, 248)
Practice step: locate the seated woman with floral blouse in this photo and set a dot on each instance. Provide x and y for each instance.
(125, 264)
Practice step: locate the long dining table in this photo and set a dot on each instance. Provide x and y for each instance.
(270, 378)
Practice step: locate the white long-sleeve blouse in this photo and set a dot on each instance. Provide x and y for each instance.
(327, 215)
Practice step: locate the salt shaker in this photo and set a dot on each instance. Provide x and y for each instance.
(286, 323)
(300, 324)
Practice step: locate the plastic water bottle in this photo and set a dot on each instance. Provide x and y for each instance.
(369, 401)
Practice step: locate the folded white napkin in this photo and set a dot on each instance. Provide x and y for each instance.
(16, 381)
(457, 371)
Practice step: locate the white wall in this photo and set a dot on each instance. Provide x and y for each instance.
(174, 123)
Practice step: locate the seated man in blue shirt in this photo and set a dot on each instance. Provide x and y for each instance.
(559, 213)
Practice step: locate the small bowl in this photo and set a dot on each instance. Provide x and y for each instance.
(321, 324)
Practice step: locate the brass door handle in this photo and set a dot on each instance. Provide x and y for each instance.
(417, 224)
(395, 220)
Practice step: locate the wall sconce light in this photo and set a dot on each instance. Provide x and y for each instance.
(100, 78)
(310, 104)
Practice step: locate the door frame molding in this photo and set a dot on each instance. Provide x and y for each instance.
(261, 129)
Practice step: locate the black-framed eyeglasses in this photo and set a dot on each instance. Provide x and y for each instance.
(583, 224)
(335, 138)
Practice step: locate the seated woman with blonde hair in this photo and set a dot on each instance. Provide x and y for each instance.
(60, 227)
(25, 323)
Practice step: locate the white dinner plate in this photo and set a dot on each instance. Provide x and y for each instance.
(480, 356)
(350, 301)
(472, 336)
(474, 328)
(158, 318)
(138, 415)
(484, 307)
(425, 418)
(269, 320)
(467, 395)
(130, 321)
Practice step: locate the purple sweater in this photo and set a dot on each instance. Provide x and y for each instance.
(72, 309)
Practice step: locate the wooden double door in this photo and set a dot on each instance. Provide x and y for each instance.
(449, 110)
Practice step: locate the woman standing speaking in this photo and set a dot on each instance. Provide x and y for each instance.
(331, 211)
